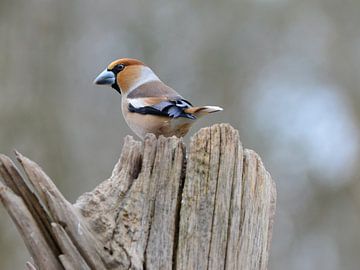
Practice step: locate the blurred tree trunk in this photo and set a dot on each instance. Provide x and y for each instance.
(160, 209)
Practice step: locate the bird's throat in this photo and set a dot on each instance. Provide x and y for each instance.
(116, 87)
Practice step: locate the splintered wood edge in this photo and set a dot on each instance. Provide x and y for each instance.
(14, 180)
(38, 219)
(27, 226)
(73, 257)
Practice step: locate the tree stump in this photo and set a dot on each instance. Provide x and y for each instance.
(162, 208)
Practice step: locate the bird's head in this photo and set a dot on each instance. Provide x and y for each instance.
(125, 74)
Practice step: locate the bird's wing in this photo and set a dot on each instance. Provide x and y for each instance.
(153, 89)
(158, 99)
(164, 106)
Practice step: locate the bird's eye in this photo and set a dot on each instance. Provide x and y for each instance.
(118, 68)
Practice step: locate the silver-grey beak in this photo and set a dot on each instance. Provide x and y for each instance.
(105, 78)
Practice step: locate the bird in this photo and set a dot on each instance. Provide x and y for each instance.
(148, 104)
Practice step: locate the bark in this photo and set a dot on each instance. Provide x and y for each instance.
(162, 208)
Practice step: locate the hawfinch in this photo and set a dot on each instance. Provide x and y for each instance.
(148, 104)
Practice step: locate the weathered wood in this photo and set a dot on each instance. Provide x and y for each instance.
(213, 209)
(29, 266)
(13, 179)
(62, 212)
(205, 212)
(33, 238)
(71, 256)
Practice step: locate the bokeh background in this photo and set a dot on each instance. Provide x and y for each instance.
(286, 72)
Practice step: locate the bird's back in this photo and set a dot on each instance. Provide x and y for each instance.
(153, 89)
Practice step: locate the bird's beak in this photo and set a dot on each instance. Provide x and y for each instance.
(105, 78)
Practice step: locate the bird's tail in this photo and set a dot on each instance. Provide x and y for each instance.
(203, 110)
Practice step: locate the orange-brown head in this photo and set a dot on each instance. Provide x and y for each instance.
(125, 74)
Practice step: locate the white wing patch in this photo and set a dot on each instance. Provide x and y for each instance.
(138, 102)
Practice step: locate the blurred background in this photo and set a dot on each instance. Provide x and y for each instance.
(286, 72)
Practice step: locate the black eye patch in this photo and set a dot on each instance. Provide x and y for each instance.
(118, 68)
